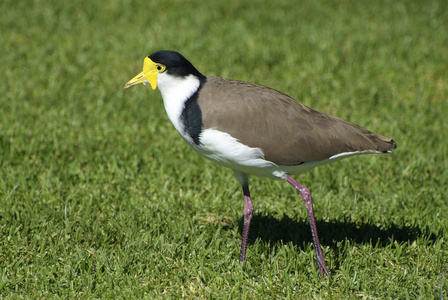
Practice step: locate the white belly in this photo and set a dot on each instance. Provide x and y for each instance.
(223, 149)
(227, 151)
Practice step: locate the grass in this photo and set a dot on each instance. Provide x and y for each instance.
(100, 198)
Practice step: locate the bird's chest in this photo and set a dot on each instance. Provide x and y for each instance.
(186, 117)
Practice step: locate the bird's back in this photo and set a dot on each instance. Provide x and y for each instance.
(288, 132)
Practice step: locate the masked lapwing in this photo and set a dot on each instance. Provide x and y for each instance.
(253, 129)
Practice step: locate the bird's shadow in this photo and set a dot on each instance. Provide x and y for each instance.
(273, 231)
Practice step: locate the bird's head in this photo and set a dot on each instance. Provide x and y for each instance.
(169, 63)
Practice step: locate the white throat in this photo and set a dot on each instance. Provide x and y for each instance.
(175, 92)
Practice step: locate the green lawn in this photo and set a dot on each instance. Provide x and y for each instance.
(101, 198)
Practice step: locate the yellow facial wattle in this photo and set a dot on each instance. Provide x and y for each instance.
(149, 73)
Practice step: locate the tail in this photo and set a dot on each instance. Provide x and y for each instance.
(384, 144)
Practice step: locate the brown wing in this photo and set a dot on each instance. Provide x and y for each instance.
(288, 132)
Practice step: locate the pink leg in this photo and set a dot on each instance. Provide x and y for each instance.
(306, 195)
(248, 209)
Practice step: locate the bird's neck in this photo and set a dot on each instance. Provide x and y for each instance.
(175, 93)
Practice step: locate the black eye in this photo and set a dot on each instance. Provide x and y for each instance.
(159, 67)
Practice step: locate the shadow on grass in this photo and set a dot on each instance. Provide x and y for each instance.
(272, 230)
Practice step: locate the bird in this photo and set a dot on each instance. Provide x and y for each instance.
(253, 130)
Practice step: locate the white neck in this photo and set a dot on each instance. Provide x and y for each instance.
(175, 92)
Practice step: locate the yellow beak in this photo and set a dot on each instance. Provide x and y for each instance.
(149, 74)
